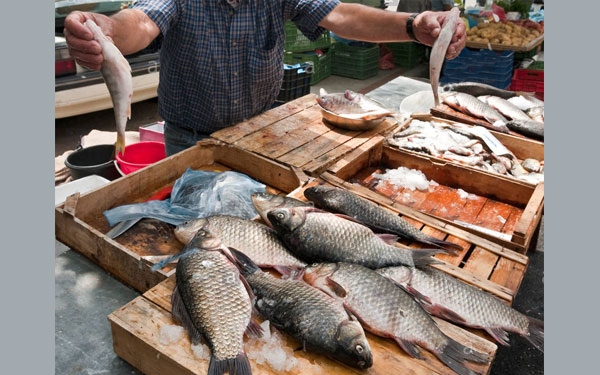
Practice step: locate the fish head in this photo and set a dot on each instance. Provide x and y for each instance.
(319, 193)
(185, 231)
(204, 239)
(287, 219)
(352, 347)
(316, 274)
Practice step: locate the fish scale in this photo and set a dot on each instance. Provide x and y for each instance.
(387, 310)
(452, 299)
(309, 315)
(211, 302)
(314, 235)
(368, 213)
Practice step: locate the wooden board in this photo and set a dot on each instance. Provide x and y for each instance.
(295, 134)
(137, 339)
(504, 47)
(505, 210)
(81, 225)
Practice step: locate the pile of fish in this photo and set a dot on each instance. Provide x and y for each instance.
(503, 110)
(338, 279)
(464, 144)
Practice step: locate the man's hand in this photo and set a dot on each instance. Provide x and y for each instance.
(427, 27)
(82, 46)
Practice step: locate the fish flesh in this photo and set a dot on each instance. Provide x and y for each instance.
(477, 89)
(352, 105)
(449, 298)
(505, 107)
(386, 310)
(212, 302)
(439, 50)
(379, 219)
(470, 105)
(314, 235)
(265, 201)
(309, 315)
(117, 76)
(258, 241)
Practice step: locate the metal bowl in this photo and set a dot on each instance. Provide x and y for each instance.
(349, 123)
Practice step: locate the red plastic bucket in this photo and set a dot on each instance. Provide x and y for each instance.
(138, 155)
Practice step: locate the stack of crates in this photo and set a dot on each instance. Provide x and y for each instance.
(296, 82)
(530, 79)
(407, 54)
(480, 65)
(355, 61)
(299, 49)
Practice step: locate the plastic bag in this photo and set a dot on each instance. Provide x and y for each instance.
(196, 194)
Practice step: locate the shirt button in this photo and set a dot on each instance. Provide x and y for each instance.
(235, 73)
(235, 101)
(234, 44)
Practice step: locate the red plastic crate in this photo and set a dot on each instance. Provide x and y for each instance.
(529, 74)
(528, 85)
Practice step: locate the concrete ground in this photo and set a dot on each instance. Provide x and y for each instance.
(85, 294)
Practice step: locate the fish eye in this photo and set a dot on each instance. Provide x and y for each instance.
(359, 349)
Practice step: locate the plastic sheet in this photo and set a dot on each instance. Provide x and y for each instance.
(196, 194)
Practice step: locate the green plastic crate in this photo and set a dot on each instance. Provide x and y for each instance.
(295, 41)
(407, 54)
(358, 62)
(321, 62)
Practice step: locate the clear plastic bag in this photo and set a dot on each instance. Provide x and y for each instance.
(196, 194)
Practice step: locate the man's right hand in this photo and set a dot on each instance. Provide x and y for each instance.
(82, 46)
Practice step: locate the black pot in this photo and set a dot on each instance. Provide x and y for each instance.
(98, 160)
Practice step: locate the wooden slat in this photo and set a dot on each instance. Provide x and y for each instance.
(481, 263)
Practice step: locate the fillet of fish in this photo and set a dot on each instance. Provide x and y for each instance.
(117, 76)
(439, 49)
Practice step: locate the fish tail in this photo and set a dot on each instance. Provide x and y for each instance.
(536, 333)
(120, 145)
(234, 366)
(423, 257)
(454, 354)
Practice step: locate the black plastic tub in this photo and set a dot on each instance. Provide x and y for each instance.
(98, 160)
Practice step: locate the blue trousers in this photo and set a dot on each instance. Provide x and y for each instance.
(178, 138)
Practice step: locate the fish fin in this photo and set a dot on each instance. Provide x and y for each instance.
(389, 239)
(238, 365)
(179, 313)
(120, 145)
(287, 272)
(445, 313)
(254, 329)
(421, 298)
(455, 354)
(336, 288)
(410, 348)
(500, 335)
(423, 257)
(243, 262)
(536, 333)
(451, 247)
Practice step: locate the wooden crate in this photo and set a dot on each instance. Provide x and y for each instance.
(507, 210)
(136, 338)
(81, 225)
(294, 134)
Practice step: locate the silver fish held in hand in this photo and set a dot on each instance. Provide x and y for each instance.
(117, 75)
(439, 50)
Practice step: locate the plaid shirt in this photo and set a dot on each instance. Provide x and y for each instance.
(221, 64)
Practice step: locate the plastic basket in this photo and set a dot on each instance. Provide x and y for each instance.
(407, 54)
(295, 41)
(321, 63)
(296, 81)
(358, 62)
(484, 66)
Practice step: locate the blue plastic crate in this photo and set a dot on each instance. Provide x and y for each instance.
(484, 66)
